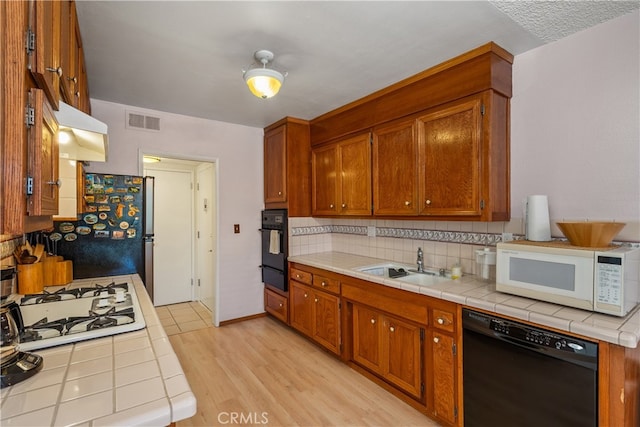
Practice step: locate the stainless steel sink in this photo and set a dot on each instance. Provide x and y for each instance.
(428, 277)
(423, 279)
(381, 270)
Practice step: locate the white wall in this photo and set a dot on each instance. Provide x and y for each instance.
(575, 120)
(239, 154)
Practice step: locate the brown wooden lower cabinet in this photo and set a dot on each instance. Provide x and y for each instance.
(389, 347)
(317, 314)
(277, 304)
(411, 344)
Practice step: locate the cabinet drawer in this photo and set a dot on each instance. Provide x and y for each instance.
(327, 284)
(443, 320)
(276, 305)
(301, 276)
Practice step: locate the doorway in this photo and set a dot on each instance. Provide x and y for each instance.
(200, 226)
(173, 236)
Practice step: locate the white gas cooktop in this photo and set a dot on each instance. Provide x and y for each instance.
(81, 311)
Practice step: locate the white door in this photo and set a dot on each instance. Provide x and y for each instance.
(173, 229)
(206, 235)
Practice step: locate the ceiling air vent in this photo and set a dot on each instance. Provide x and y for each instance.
(140, 121)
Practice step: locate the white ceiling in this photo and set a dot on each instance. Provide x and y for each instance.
(187, 57)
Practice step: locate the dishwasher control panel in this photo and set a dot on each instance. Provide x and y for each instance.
(528, 336)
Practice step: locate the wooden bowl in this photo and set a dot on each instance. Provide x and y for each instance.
(590, 234)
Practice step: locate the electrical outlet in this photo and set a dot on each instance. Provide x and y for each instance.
(236, 228)
(507, 237)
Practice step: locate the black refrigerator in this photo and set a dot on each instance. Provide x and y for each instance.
(114, 236)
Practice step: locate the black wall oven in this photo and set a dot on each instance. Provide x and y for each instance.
(275, 248)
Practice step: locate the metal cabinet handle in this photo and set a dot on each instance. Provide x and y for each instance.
(305, 295)
(279, 193)
(344, 205)
(297, 276)
(77, 94)
(58, 70)
(323, 284)
(57, 183)
(427, 202)
(280, 305)
(436, 340)
(373, 321)
(73, 79)
(407, 203)
(315, 300)
(440, 321)
(392, 329)
(331, 206)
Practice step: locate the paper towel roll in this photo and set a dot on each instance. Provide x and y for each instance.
(537, 225)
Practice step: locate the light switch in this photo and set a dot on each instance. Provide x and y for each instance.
(236, 228)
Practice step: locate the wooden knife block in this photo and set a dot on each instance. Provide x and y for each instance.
(30, 278)
(57, 271)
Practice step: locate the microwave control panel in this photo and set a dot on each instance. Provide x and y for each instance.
(609, 276)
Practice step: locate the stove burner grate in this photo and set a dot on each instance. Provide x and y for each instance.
(98, 290)
(43, 329)
(99, 321)
(45, 296)
(65, 294)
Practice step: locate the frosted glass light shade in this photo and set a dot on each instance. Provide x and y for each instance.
(263, 82)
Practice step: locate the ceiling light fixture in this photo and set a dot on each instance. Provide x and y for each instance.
(263, 82)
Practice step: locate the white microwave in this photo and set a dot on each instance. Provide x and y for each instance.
(601, 280)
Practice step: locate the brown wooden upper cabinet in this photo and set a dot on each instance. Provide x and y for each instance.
(450, 159)
(440, 145)
(287, 167)
(395, 169)
(43, 46)
(43, 182)
(439, 163)
(73, 81)
(341, 177)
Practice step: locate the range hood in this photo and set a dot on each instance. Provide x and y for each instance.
(81, 136)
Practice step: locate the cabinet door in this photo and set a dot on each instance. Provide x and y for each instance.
(82, 88)
(443, 373)
(367, 340)
(355, 176)
(43, 157)
(45, 58)
(301, 306)
(275, 165)
(276, 305)
(326, 330)
(395, 169)
(403, 348)
(324, 180)
(450, 178)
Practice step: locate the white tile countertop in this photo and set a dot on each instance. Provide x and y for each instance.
(469, 291)
(129, 379)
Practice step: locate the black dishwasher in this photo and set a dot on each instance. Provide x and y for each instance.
(518, 375)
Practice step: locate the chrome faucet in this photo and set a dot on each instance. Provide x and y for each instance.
(420, 261)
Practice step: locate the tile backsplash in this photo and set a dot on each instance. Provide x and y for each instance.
(444, 243)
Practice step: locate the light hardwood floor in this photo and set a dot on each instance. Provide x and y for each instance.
(262, 373)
